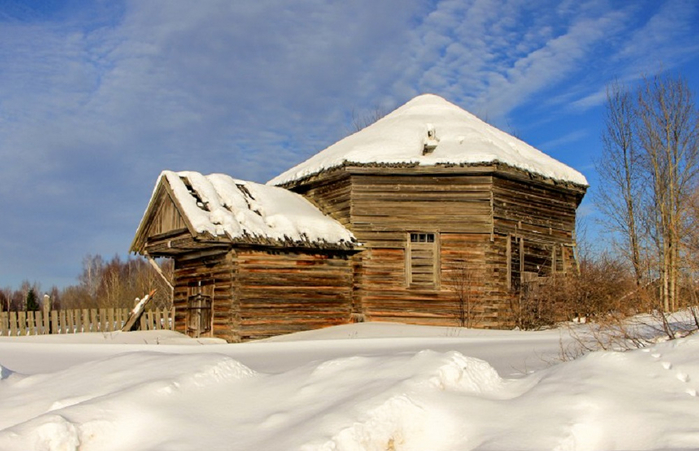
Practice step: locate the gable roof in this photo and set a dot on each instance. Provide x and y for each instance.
(457, 137)
(219, 207)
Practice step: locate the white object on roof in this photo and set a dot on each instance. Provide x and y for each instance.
(223, 206)
(403, 137)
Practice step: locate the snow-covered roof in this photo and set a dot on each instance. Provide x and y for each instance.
(429, 130)
(221, 206)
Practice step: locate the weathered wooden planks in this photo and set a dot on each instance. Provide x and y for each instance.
(292, 292)
(78, 321)
(477, 212)
(493, 225)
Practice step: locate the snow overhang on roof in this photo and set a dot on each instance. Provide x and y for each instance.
(430, 131)
(225, 208)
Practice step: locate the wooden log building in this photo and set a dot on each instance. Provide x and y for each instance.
(428, 216)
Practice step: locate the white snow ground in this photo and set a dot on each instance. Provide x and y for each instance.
(366, 386)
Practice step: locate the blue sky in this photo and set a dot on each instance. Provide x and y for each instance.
(96, 98)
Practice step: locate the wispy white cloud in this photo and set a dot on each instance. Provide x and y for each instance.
(494, 57)
(574, 136)
(97, 98)
(655, 38)
(91, 112)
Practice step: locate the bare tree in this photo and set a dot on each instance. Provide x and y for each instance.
(91, 277)
(649, 172)
(117, 283)
(619, 196)
(364, 119)
(668, 133)
(465, 282)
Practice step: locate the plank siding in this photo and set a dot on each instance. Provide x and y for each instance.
(218, 272)
(540, 210)
(167, 218)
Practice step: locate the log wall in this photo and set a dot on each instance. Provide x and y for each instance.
(332, 196)
(258, 294)
(539, 222)
(386, 208)
(279, 293)
(496, 224)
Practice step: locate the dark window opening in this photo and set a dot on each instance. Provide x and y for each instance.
(422, 237)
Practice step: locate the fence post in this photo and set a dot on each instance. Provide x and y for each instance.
(13, 324)
(78, 321)
(93, 320)
(158, 319)
(110, 319)
(103, 320)
(63, 329)
(86, 320)
(31, 323)
(39, 317)
(22, 322)
(47, 314)
(4, 323)
(54, 321)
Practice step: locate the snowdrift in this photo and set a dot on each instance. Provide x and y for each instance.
(381, 397)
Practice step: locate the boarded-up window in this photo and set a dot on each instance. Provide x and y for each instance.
(422, 260)
(529, 261)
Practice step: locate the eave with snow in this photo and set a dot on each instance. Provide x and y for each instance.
(405, 221)
(190, 211)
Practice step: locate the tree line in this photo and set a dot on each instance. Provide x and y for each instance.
(648, 201)
(113, 283)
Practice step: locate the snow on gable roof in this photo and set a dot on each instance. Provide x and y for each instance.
(222, 206)
(429, 130)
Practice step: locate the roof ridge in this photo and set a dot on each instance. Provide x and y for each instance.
(403, 137)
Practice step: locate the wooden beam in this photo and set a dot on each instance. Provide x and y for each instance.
(157, 268)
(508, 251)
(521, 261)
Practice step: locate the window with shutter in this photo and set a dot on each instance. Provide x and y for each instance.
(422, 260)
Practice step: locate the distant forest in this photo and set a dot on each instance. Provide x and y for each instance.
(102, 284)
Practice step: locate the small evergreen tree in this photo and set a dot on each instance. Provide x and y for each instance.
(32, 301)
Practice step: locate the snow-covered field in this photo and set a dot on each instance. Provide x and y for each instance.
(366, 386)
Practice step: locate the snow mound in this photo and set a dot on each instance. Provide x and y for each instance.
(209, 372)
(390, 406)
(341, 365)
(54, 433)
(97, 404)
(363, 394)
(397, 424)
(465, 374)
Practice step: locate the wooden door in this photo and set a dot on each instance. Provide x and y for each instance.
(199, 309)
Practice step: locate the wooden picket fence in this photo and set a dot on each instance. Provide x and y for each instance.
(80, 320)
